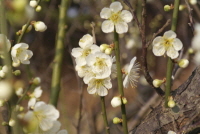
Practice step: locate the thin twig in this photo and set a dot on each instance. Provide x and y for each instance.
(191, 24)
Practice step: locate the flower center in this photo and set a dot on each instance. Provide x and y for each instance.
(167, 42)
(86, 52)
(39, 116)
(19, 51)
(115, 17)
(99, 62)
(99, 83)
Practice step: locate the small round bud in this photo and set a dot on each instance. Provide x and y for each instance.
(11, 122)
(19, 91)
(191, 51)
(124, 100)
(38, 9)
(171, 132)
(17, 72)
(36, 80)
(167, 8)
(21, 108)
(181, 7)
(157, 83)
(183, 63)
(193, 2)
(171, 103)
(40, 26)
(103, 47)
(33, 3)
(117, 120)
(116, 101)
(15, 64)
(28, 29)
(108, 51)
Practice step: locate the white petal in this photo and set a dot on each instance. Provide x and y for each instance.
(107, 26)
(170, 34)
(25, 62)
(46, 124)
(107, 83)
(80, 61)
(116, 6)
(37, 92)
(31, 102)
(105, 13)
(94, 49)
(126, 16)
(125, 82)
(158, 50)
(102, 91)
(121, 27)
(131, 64)
(54, 129)
(171, 52)
(14, 52)
(177, 44)
(76, 52)
(24, 45)
(86, 41)
(91, 88)
(157, 40)
(62, 132)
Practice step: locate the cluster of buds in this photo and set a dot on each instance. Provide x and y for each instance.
(34, 4)
(117, 101)
(107, 49)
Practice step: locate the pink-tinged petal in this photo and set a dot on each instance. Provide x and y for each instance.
(116, 6)
(77, 52)
(170, 34)
(105, 13)
(121, 27)
(172, 53)
(126, 16)
(157, 40)
(178, 45)
(158, 50)
(102, 91)
(107, 26)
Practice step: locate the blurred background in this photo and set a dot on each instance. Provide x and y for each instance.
(80, 14)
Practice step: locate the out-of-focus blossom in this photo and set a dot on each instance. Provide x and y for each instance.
(5, 90)
(3, 40)
(40, 26)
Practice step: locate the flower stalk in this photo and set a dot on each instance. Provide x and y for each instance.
(58, 59)
(170, 62)
(119, 81)
(103, 107)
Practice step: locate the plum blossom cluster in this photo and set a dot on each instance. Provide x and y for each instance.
(93, 66)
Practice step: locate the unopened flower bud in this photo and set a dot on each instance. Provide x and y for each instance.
(17, 72)
(103, 47)
(167, 8)
(117, 120)
(181, 7)
(14, 64)
(21, 108)
(38, 9)
(191, 51)
(40, 26)
(19, 91)
(33, 3)
(28, 29)
(171, 103)
(124, 100)
(193, 2)
(36, 80)
(108, 51)
(183, 63)
(116, 101)
(157, 83)
(11, 122)
(171, 132)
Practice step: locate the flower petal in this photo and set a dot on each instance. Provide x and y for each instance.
(102, 91)
(91, 88)
(177, 44)
(170, 34)
(76, 52)
(116, 6)
(171, 52)
(121, 27)
(158, 50)
(105, 13)
(86, 41)
(157, 40)
(126, 16)
(107, 26)
(125, 82)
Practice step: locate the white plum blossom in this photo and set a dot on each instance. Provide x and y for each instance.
(116, 101)
(116, 18)
(20, 54)
(34, 96)
(19, 91)
(3, 71)
(171, 132)
(55, 129)
(40, 26)
(131, 73)
(33, 3)
(86, 47)
(99, 86)
(3, 39)
(42, 117)
(100, 64)
(168, 43)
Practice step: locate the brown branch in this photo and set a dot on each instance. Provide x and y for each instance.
(191, 24)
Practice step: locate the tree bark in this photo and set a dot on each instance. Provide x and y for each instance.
(184, 118)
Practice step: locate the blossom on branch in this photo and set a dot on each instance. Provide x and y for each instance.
(168, 43)
(117, 18)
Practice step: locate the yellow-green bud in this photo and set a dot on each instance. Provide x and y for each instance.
(36, 81)
(38, 9)
(17, 72)
(181, 7)
(4, 123)
(108, 51)
(157, 83)
(28, 29)
(103, 47)
(21, 108)
(171, 103)
(183, 63)
(14, 64)
(124, 100)
(11, 122)
(117, 120)
(167, 8)
(191, 51)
